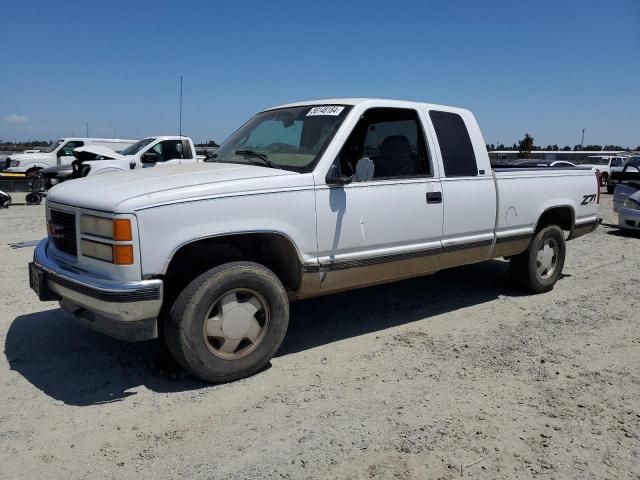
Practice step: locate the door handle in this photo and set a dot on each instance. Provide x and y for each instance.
(434, 197)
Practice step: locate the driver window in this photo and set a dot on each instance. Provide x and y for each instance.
(167, 150)
(67, 149)
(392, 139)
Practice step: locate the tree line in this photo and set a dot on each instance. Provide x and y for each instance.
(526, 145)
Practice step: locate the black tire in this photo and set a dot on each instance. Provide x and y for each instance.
(524, 267)
(33, 198)
(184, 328)
(610, 188)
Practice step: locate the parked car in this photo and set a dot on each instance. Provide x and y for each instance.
(148, 152)
(605, 164)
(626, 196)
(545, 163)
(304, 199)
(59, 153)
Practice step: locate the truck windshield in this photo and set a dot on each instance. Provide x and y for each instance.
(136, 147)
(53, 146)
(289, 138)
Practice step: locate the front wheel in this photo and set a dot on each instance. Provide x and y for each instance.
(228, 322)
(539, 268)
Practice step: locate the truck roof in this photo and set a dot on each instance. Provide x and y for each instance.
(166, 137)
(386, 102)
(115, 140)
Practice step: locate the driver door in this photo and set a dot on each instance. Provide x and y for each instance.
(389, 226)
(166, 152)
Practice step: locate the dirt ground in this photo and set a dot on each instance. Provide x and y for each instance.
(456, 374)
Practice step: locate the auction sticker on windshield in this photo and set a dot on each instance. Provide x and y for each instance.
(333, 110)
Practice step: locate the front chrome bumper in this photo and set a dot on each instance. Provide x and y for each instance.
(127, 310)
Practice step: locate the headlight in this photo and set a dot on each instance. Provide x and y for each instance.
(118, 229)
(101, 251)
(632, 203)
(118, 254)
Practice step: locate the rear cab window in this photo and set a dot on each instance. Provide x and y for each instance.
(456, 148)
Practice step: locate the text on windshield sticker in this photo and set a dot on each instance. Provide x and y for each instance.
(333, 110)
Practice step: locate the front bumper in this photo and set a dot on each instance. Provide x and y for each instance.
(127, 310)
(629, 218)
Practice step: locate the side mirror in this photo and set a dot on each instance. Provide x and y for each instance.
(149, 157)
(335, 178)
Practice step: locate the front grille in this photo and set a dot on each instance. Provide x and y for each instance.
(62, 231)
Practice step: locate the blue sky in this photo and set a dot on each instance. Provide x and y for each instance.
(546, 67)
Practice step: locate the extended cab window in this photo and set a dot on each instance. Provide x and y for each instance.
(393, 139)
(455, 144)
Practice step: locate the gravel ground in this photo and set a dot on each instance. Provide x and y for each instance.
(456, 374)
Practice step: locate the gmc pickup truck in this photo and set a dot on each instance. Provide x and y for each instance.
(304, 199)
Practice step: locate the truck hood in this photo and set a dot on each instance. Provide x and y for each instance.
(30, 156)
(96, 150)
(132, 190)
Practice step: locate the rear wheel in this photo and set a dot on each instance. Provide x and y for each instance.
(539, 268)
(610, 188)
(228, 322)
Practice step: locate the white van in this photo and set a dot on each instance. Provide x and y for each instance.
(60, 152)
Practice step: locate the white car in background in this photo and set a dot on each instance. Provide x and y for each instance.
(626, 196)
(148, 152)
(59, 153)
(605, 164)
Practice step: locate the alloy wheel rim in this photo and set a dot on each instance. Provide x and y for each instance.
(547, 258)
(236, 323)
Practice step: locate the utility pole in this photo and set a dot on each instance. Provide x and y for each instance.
(87, 125)
(582, 139)
(180, 129)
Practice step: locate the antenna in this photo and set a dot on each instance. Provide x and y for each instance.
(180, 106)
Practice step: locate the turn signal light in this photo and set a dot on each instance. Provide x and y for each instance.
(122, 230)
(123, 254)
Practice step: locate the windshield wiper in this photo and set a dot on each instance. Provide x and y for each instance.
(261, 156)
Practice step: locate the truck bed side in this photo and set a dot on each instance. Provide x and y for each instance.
(525, 195)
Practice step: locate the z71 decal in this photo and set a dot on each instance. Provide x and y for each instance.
(588, 199)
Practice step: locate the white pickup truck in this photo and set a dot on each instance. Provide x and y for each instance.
(148, 152)
(605, 164)
(303, 200)
(59, 153)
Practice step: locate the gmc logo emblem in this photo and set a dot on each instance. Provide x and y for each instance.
(56, 231)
